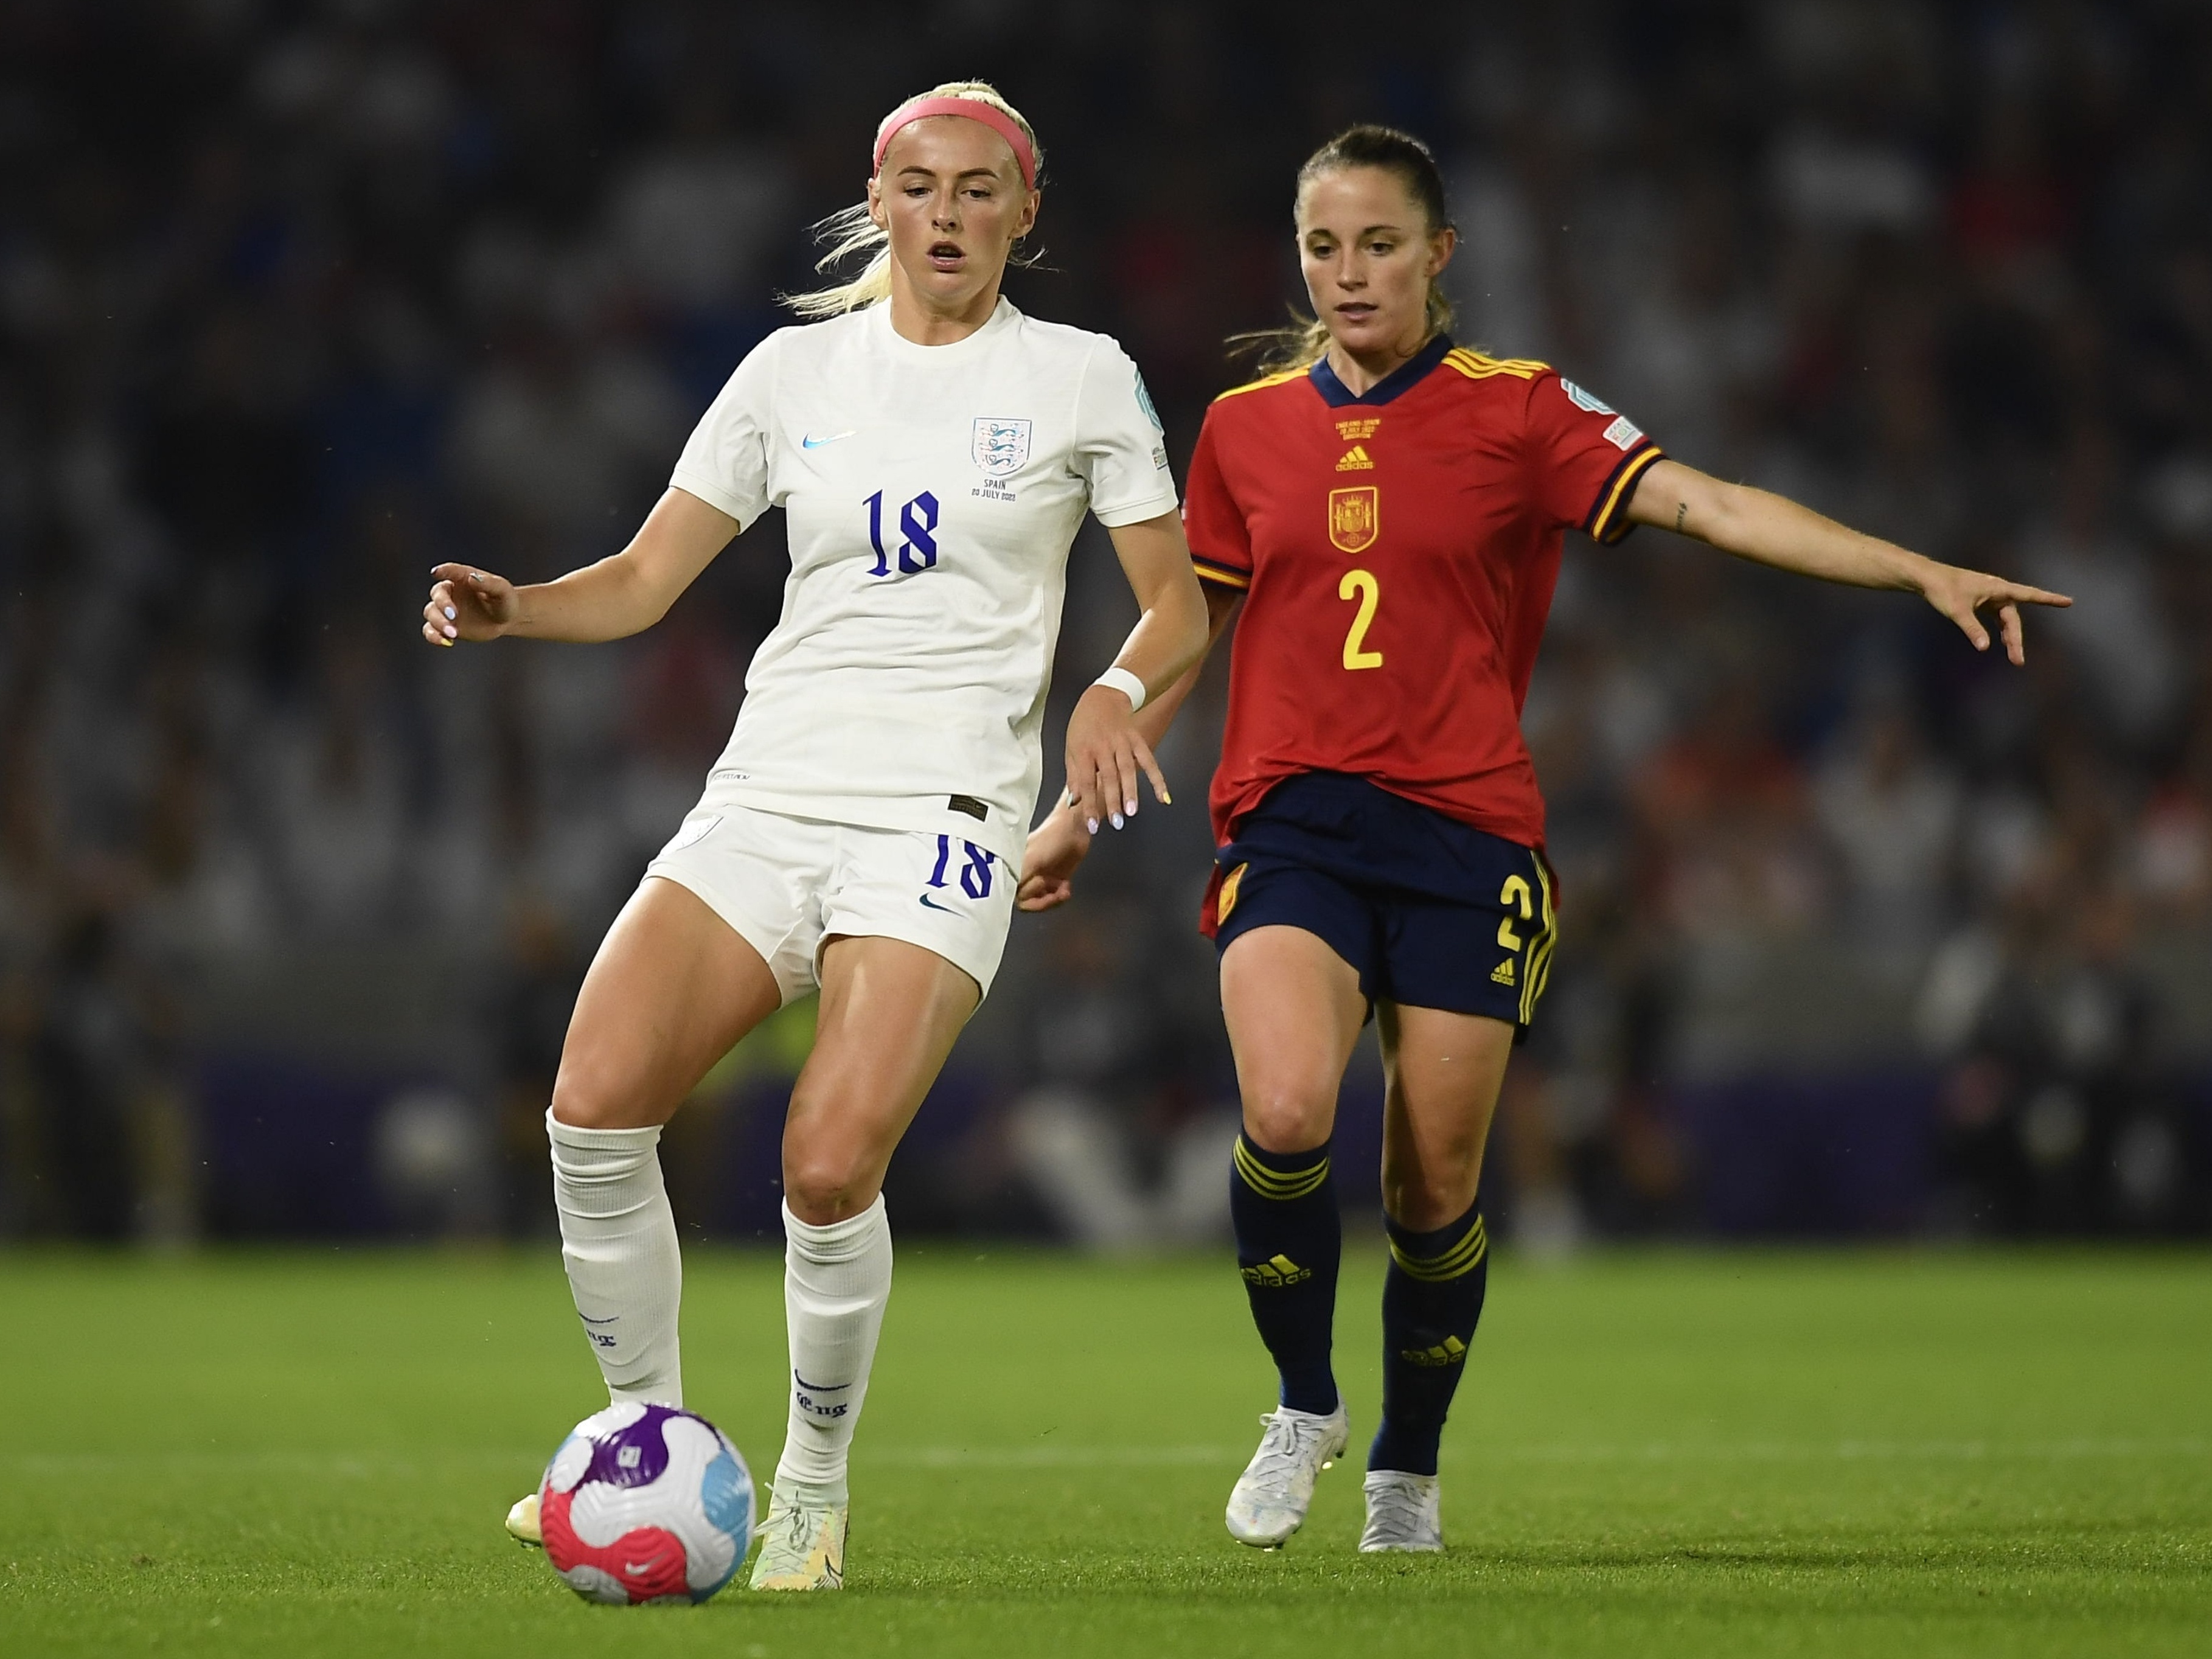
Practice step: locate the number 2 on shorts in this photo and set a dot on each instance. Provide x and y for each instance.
(1362, 582)
(1515, 888)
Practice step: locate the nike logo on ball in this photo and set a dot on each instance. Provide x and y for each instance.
(810, 441)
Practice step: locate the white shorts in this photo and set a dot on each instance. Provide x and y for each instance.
(786, 885)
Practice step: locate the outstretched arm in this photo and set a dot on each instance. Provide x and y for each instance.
(623, 594)
(1758, 525)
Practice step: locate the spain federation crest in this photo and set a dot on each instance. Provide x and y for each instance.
(1002, 446)
(1355, 517)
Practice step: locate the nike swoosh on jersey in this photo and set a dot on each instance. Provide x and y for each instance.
(934, 905)
(810, 441)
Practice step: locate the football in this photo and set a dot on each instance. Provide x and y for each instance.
(646, 1503)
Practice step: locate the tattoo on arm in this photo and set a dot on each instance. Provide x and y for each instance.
(1681, 512)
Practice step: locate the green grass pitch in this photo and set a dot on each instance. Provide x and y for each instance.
(1673, 1454)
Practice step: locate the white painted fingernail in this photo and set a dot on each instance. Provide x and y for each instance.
(1092, 824)
(451, 631)
(1130, 807)
(449, 613)
(1116, 817)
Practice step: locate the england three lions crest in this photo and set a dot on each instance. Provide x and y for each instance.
(1002, 447)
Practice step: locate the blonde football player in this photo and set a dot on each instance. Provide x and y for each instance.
(935, 451)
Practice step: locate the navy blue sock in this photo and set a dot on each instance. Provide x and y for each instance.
(1432, 1301)
(1289, 1237)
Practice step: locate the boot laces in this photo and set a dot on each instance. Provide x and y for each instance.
(1395, 1510)
(1288, 1446)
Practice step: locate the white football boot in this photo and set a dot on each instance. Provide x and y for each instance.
(522, 1523)
(802, 1547)
(1271, 1497)
(1403, 1513)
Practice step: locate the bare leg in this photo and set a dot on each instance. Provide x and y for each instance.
(672, 990)
(1443, 1073)
(890, 1013)
(1294, 1012)
(673, 986)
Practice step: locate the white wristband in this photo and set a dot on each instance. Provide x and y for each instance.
(1126, 683)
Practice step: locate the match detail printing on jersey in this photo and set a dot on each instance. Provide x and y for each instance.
(932, 494)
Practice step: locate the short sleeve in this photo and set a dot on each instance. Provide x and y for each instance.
(1220, 546)
(1584, 458)
(1119, 449)
(724, 461)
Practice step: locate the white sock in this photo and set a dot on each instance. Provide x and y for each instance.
(836, 1281)
(618, 1242)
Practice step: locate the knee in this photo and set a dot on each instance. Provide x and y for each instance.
(826, 1178)
(1422, 1201)
(824, 1187)
(1287, 1113)
(585, 1097)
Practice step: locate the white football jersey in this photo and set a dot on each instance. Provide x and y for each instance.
(932, 494)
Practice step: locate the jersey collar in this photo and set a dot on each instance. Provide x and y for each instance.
(1398, 381)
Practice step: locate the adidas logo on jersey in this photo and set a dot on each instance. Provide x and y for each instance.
(1502, 974)
(1450, 1351)
(1276, 1271)
(1355, 460)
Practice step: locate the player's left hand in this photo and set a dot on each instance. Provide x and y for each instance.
(1960, 593)
(1105, 752)
(1055, 848)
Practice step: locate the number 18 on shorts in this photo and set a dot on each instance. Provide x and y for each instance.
(787, 884)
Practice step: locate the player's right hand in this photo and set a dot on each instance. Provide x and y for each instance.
(466, 604)
(1055, 848)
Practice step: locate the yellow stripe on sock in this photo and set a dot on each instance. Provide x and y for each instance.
(1274, 1183)
(1460, 1259)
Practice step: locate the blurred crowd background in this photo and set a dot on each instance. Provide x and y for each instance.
(1863, 934)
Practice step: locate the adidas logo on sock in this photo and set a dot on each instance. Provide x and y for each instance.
(1450, 1351)
(1275, 1271)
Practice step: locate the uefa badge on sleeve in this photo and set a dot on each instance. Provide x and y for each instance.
(1002, 446)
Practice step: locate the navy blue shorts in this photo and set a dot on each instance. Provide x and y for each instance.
(1431, 912)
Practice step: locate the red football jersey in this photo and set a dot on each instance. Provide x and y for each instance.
(1401, 550)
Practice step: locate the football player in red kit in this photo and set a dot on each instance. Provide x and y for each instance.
(1387, 511)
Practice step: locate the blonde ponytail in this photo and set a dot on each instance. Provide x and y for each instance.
(849, 231)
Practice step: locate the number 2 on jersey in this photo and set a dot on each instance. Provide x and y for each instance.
(1363, 583)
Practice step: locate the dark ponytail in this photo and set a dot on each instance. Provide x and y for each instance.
(1364, 146)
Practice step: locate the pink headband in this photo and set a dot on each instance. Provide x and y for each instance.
(970, 109)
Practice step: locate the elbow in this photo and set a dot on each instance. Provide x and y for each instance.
(1724, 520)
